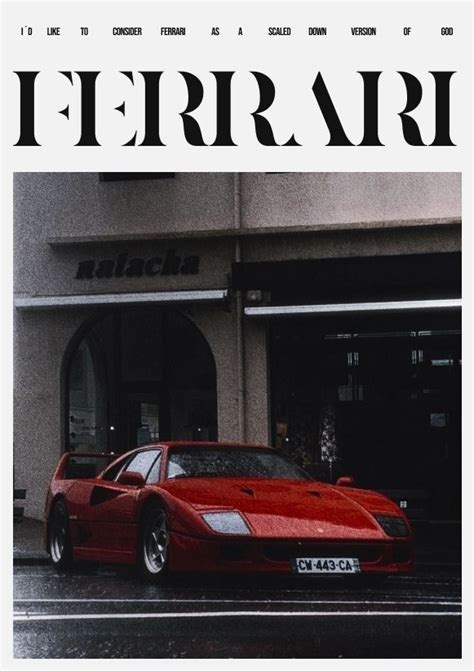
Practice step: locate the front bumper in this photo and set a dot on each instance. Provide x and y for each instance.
(244, 555)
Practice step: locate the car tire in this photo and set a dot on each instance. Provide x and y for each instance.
(59, 536)
(153, 548)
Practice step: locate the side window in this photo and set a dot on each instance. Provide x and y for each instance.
(114, 469)
(142, 462)
(154, 474)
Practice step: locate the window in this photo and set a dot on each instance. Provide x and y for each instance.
(114, 469)
(87, 408)
(142, 462)
(154, 474)
(231, 462)
(133, 176)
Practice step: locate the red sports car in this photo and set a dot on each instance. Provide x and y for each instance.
(182, 506)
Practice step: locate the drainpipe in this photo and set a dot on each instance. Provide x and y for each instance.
(239, 317)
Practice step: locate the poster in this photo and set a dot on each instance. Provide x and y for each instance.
(244, 223)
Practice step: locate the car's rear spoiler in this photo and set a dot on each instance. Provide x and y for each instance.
(70, 467)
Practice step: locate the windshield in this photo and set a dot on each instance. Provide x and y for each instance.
(236, 462)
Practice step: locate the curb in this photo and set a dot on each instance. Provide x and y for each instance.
(30, 561)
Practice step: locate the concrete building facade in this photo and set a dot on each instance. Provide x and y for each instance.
(319, 313)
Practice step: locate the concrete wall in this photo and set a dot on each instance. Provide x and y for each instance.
(344, 244)
(79, 204)
(40, 343)
(45, 270)
(306, 199)
(257, 384)
(68, 205)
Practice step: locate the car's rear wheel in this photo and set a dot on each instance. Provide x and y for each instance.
(154, 543)
(59, 538)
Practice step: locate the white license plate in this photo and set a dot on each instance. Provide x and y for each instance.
(326, 565)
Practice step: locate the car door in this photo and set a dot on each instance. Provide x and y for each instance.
(109, 527)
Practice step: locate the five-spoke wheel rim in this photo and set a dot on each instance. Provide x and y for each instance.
(155, 544)
(57, 535)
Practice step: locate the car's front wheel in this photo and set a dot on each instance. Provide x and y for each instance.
(153, 548)
(59, 538)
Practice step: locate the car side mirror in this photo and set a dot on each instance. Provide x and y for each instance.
(131, 478)
(345, 481)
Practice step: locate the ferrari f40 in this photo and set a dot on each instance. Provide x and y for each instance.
(220, 507)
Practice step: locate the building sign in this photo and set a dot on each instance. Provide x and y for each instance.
(171, 263)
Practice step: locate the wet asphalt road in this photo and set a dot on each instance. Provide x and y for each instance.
(105, 612)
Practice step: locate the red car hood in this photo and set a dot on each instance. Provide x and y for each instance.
(289, 508)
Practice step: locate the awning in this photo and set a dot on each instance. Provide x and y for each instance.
(371, 280)
(92, 300)
(352, 308)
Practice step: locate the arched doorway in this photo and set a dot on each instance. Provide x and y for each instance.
(136, 376)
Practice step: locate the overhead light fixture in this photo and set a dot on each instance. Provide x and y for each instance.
(254, 296)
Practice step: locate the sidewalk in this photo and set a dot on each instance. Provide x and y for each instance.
(437, 545)
(28, 542)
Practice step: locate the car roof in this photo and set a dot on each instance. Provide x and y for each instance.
(202, 443)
